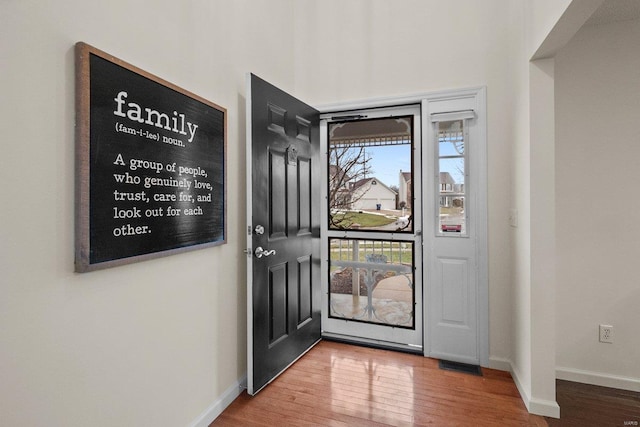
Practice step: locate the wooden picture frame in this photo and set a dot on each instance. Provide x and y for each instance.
(150, 165)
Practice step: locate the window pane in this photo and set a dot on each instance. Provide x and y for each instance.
(452, 185)
(370, 175)
(452, 174)
(451, 138)
(452, 216)
(372, 281)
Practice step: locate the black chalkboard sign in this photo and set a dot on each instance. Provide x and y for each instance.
(151, 161)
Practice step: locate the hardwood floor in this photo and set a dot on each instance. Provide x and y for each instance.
(588, 405)
(343, 385)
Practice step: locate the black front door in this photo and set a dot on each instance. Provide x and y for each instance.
(284, 231)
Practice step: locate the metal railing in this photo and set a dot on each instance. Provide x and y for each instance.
(371, 269)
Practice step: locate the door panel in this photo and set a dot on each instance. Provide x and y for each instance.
(453, 302)
(277, 303)
(283, 264)
(305, 297)
(304, 196)
(454, 328)
(277, 199)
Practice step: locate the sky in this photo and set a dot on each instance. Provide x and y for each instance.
(387, 161)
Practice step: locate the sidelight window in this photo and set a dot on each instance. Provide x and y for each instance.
(452, 175)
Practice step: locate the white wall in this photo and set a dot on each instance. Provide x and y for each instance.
(519, 357)
(537, 276)
(597, 175)
(371, 48)
(152, 343)
(542, 237)
(532, 295)
(541, 17)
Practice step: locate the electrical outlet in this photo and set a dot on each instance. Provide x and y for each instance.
(606, 334)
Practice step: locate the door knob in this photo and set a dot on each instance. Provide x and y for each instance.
(261, 252)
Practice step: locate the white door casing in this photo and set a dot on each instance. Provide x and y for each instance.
(455, 292)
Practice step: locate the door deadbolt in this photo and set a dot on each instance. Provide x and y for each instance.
(259, 230)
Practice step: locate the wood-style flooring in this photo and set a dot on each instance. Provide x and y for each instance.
(588, 405)
(343, 385)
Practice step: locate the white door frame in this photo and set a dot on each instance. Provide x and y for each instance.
(475, 96)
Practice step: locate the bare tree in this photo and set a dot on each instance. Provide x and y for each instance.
(348, 165)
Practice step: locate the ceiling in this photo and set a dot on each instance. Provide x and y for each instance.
(615, 11)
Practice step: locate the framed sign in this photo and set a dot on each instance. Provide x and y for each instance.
(150, 165)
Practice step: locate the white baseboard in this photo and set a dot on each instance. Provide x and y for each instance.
(545, 408)
(499, 363)
(220, 404)
(598, 378)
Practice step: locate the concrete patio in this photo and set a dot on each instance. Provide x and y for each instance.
(392, 301)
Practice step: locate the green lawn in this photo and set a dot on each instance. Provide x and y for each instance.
(396, 252)
(393, 257)
(347, 219)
